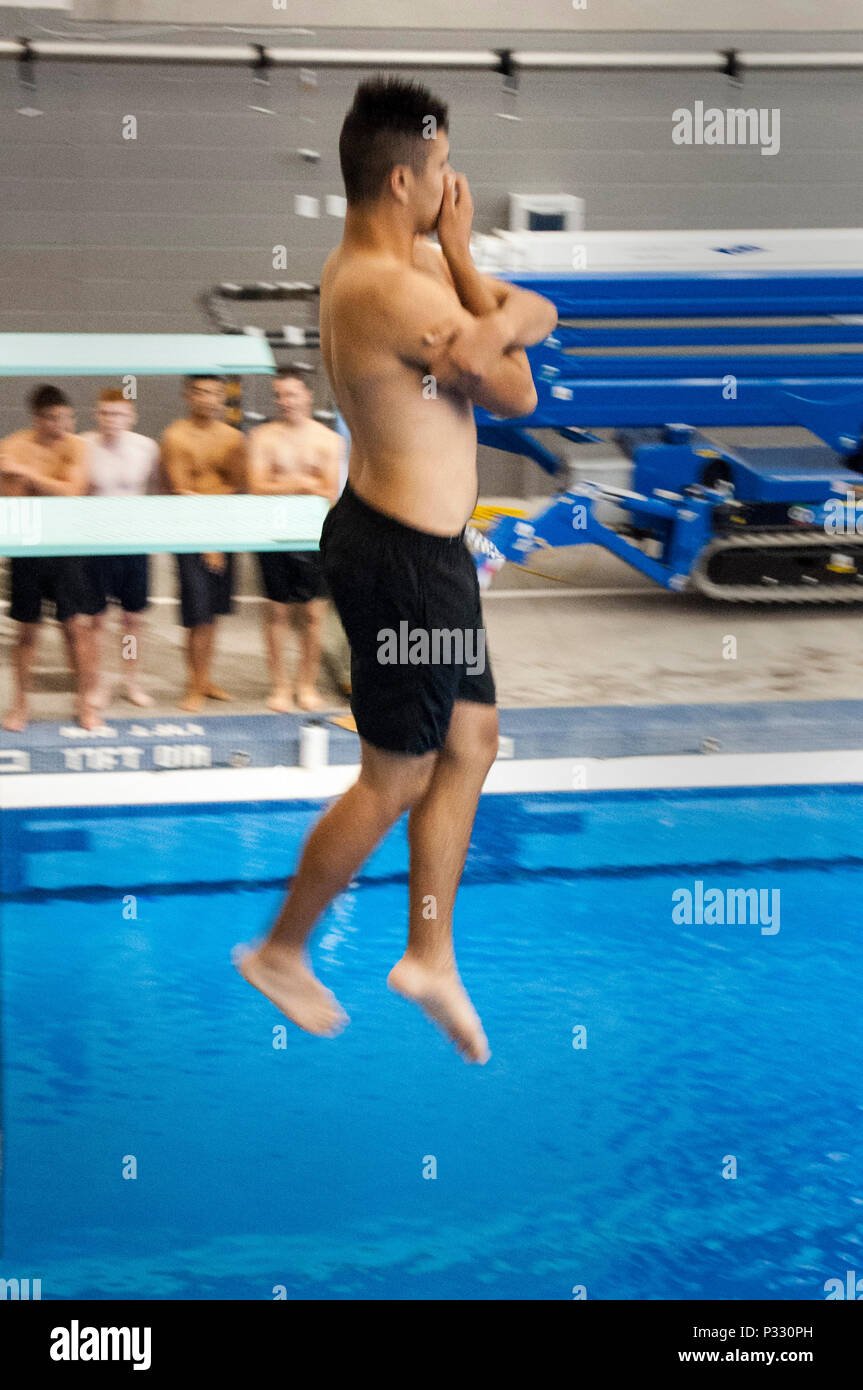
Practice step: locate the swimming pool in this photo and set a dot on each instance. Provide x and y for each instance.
(559, 1166)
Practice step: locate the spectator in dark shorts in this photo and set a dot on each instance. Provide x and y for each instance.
(202, 455)
(49, 460)
(294, 455)
(120, 463)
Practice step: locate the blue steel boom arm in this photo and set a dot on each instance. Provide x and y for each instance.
(636, 378)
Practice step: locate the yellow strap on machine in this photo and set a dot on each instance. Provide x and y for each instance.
(483, 516)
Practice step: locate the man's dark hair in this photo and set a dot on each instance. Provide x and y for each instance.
(292, 374)
(46, 398)
(387, 125)
(204, 376)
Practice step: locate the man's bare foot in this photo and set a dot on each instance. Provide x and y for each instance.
(215, 692)
(101, 697)
(308, 698)
(288, 983)
(192, 701)
(280, 701)
(136, 696)
(88, 716)
(441, 994)
(16, 720)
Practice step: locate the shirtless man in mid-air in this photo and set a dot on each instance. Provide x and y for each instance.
(411, 339)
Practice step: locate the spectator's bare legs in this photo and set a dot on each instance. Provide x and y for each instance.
(275, 619)
(130, 656)
(200, 642)
(22, 658)
(82, 647)
(199, 646)
(439, 830)
(308, 621)
(103, 690)
(213, 692)
(388, 785)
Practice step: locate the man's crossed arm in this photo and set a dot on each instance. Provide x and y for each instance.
(506, 319)
(528, 316)
(477, 347)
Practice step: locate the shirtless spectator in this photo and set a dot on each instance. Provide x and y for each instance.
(203, 456)
(120, 463)
(289, 456)
(49, 460)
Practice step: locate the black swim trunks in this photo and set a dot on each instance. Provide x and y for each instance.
(292, 576)
(63, 580)
(205, 593)
(122, 577)
(409, 603)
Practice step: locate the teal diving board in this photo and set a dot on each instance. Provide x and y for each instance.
(134, 354)
(148, 525)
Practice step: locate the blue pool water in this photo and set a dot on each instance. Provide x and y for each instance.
(261, 1168)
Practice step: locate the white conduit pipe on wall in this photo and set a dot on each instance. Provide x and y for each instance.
(229, 55)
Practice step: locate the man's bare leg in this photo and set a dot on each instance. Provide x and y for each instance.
(388, 785)
(309, 621)
(82, 649)
(198, 647)
(439, 830)
(104, 684)
(213, 692)
(24, 656)
(200, 642)
(275, 627)
(130, 655)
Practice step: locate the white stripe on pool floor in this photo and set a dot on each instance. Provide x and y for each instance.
(587, 775)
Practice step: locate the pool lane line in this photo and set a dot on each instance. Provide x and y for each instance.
(474, 876)
(216, 785)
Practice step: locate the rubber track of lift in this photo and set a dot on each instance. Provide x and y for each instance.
(777, 593)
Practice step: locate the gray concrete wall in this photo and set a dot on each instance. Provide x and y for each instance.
(99, 233)
(629, 15)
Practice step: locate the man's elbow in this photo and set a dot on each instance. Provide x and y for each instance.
(524, 391)
(546, 317)
(527, 404)
(546, 314)
(516, 404)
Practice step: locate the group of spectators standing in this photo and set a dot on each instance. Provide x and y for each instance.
(199, 454)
